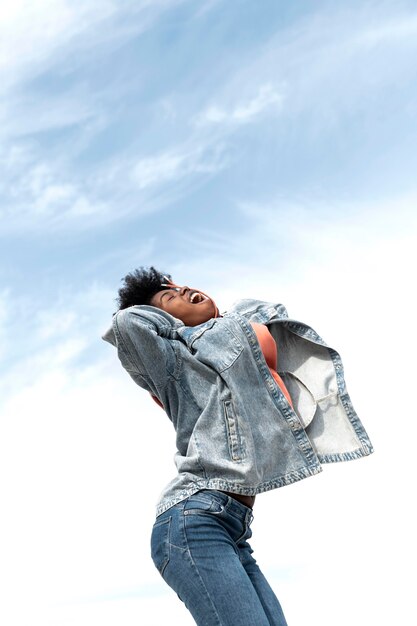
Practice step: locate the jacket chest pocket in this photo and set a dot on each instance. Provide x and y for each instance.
(216, 346)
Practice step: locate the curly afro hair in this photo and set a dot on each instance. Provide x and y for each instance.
(139, 286)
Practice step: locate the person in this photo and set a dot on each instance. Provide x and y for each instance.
(258, 401)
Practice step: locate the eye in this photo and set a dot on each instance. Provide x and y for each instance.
(169, 295)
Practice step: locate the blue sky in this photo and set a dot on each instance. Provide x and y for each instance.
(252, 149)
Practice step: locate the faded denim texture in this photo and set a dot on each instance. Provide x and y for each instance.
(235, 431)
(200, 547)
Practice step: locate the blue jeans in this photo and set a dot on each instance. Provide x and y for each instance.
(201, 550)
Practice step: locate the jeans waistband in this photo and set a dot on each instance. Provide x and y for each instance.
(233, 506)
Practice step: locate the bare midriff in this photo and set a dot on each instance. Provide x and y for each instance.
(246, 500)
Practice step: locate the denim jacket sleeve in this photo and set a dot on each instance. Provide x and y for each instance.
(141, 335)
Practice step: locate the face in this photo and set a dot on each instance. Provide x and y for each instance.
(188, 305)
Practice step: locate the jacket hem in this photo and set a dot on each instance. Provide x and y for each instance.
(366, 450)
(225, 485)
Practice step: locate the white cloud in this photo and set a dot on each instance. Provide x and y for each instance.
(154, 170)
(46, 31)
(37, 30)
(243, 111)
(40, 188)
(4, 313)
(45, 195)
(339, 241)
(322, 67)
(192, 158)
(75, 108)
(205, 152)
(42, 195)
(51, 324)
(401, 30)
(325, 66)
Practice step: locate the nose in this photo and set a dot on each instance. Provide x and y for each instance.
(183, 290)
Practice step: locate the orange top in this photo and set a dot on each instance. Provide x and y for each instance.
(269, 350)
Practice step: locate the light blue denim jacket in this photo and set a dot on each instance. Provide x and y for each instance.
(235, 430)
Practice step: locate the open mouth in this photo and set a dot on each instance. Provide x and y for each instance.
(196, 297)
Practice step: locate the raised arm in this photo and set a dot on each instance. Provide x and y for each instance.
(142, 336)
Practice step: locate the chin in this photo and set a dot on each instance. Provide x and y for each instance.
(200, 319)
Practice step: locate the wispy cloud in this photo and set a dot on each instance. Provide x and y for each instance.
(402, 29)
(42, 194)
(38, 30)
(176, 165)
(4, 311)
(40, 186)
(330, 62)
(45, 32)
(319, 69)
(365, 249)
(243, 112)
(76, 108)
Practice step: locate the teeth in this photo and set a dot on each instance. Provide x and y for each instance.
(196, 297)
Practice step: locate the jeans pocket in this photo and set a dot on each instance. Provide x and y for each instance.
(160, 545)
(203, 504)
